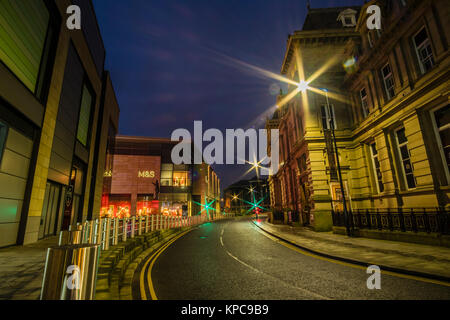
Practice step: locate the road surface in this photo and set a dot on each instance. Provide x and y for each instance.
(234, 260)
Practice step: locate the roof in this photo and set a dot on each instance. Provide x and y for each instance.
(326, 18)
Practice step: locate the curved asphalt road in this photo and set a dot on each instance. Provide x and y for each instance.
(234, 260)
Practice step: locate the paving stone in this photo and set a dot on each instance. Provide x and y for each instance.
(432, 260)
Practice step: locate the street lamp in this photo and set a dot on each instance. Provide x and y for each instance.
(344, 202)
(303, 86)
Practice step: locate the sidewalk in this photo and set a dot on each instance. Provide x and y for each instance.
(22, 269)
(415, 259)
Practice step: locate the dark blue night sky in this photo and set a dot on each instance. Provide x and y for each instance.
(168, 67)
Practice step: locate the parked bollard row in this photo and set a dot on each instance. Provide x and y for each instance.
(109, 232)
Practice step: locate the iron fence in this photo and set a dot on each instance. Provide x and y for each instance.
(428, 220)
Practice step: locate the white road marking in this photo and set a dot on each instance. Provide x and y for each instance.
(266, 274)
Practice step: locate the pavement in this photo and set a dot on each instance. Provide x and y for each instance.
(235, 259)
(410, 258)
(22, 270)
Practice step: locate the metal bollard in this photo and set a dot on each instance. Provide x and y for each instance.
(153, 223)
(70, 272)
(98, 234)
(107, 234)
(125, 229)
(84, 232)
(140, 226)
(69, 237)
(91, 231)
(116, 232)
(133, 224)
(147, 224)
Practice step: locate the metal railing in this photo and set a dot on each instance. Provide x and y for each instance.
(429, 220)
(111, 231)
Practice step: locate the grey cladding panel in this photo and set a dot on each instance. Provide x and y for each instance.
(92, 33)
(66, 124)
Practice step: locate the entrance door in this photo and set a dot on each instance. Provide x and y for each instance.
(50, 210)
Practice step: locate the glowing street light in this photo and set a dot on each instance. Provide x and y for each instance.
(303, 86)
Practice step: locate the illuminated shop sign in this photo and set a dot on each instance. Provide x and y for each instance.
(146, 174)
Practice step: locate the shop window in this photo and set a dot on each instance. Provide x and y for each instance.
(328, 118)
(85, 116)
(3, 135)
(377, 167)
(388, 80)
(146, 205)
(405, 158)
(24, 29)
(166, 175)
(119, 206)
(181, 179)
(423, 50)
(364, 102)
(441, 119)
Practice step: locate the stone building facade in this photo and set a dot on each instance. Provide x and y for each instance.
(388, 93)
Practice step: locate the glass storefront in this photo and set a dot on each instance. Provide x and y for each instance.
(146, 205)
(174, 204)
(175, 175)
(119, 206)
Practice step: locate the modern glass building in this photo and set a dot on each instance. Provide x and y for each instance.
(144, 181)
(57, 113)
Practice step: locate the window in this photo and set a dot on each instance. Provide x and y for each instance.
(3, 134)
(23, 33)
(405, 158)
(378, 32)
(84, 117)
(370, 39)
(423, 50)
(327, 118)
(388, 80)
(377, 168)
(364, 103)
(348, 22)
(166, 175)
(301, 163)
(441, 119)
(181, 179)
(347, 17)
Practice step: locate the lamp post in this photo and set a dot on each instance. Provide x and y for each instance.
(344, 202)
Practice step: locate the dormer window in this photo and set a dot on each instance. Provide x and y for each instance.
(347, 17)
